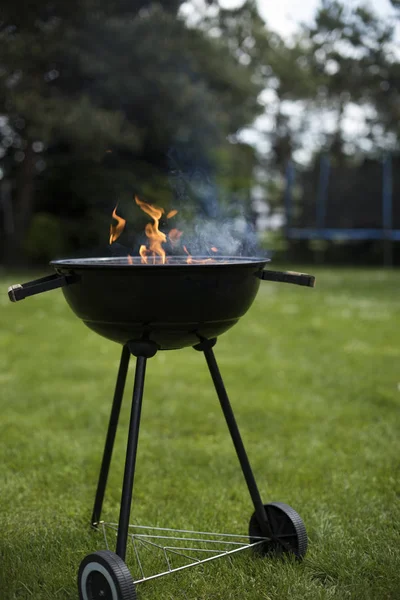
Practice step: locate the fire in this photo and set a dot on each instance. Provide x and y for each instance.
(189, 259)
(143, 254)
(193, 261)
(156, 237)
(116, 230)
(153, 251)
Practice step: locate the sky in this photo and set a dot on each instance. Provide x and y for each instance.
(283, 16)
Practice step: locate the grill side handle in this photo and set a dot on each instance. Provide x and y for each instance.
(288, 277)
(44, 284)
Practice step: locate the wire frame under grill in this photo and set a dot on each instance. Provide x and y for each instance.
(157, 551)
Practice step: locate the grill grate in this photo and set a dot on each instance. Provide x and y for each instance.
(136, 261)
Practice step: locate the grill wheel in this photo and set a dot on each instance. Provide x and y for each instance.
(288, 531)
(103, 575)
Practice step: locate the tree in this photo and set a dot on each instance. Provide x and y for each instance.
(348, 55)
(38, 111)
(105, 90)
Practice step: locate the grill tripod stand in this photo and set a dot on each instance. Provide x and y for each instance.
(103, 575)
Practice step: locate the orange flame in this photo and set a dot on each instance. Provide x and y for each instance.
(193, 261)
(189, 259)
(156, 237)
(153, 249)
(116, 230)
(143, 254)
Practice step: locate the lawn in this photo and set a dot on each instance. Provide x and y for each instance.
(314, 378)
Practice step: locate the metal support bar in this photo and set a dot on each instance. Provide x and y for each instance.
(387, 210)
(166, 543)
(201, 562)
(236, 438)
(288, 195)
(322, 193)
(131, 451)
(111, 433)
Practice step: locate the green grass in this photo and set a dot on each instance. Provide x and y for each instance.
(315, 381)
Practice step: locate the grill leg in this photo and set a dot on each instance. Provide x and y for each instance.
(112, 430)
(206, 347)
(131, 451)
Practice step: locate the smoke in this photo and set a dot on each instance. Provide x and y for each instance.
(209, 218)
(191, 181)
(231, 237)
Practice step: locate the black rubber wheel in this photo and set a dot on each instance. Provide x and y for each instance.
(288, 531)
(103, 575)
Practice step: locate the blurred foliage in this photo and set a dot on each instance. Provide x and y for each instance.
(353, 58)
(45, 238)
(103, 100)
(96, 95)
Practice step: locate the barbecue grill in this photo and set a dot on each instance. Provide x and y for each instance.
(147, 308)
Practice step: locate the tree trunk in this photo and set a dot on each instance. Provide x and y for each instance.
(23, 207)
(336, 149)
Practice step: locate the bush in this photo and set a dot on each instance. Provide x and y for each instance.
(45, 239)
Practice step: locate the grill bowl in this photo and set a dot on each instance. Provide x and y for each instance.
(174, 305)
